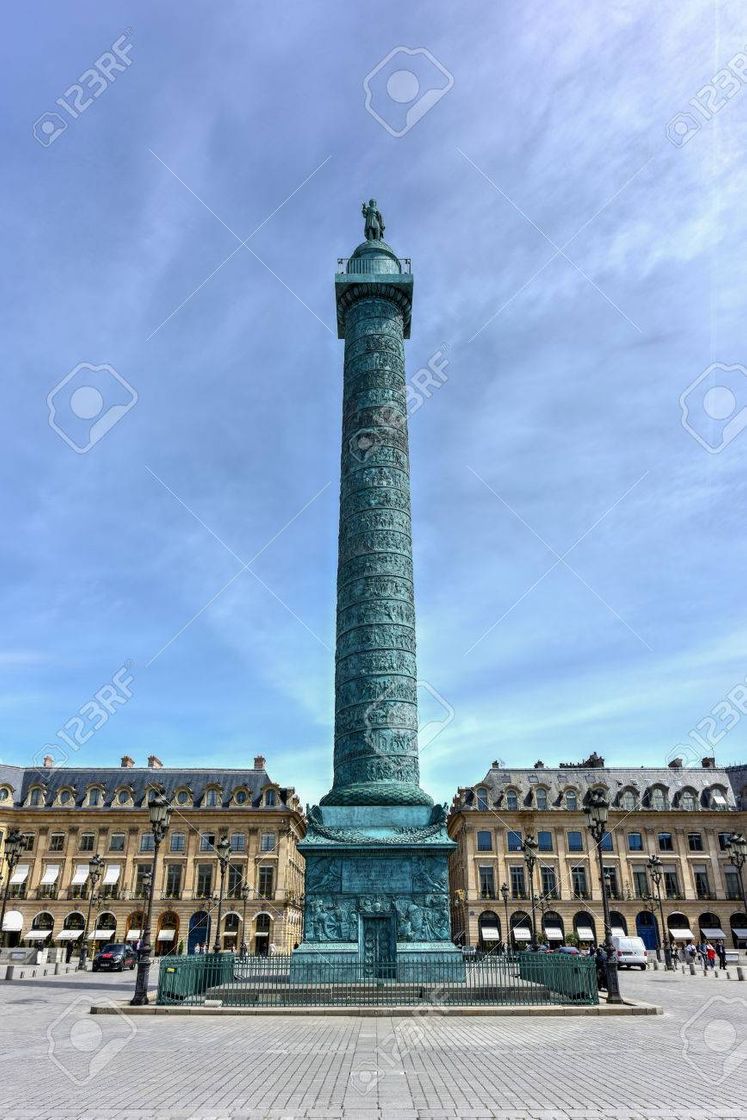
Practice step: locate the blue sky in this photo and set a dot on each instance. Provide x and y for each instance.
(578, 269)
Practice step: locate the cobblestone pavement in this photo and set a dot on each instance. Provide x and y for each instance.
(57, 1062)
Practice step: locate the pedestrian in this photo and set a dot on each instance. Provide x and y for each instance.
(721, 950)
(711, 955)
(702, 953)
(691, 952)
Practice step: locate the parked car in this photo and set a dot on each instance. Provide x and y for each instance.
(631, 952)
(115, 957)
(568, 950)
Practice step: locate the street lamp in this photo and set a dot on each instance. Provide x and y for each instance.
(529, 848)
(245, 892)
(504, 896)
(656, 872)
(95, 866)
(223, 848)
(160, 813)
(650, 903)
(736, 846)
(13, 849)
(597, 811)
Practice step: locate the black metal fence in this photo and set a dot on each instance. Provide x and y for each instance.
(523, 979)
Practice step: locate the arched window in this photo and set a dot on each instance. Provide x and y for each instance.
(628, 801)
(490, 931)
(211, 798)
(262, 935)
(36, 797)
(482, 799)
(571, 800)
(657, 798)
(688, 800)
(540, 798)
(270, 799)
(512, 799)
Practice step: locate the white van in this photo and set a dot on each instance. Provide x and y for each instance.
(631, 952)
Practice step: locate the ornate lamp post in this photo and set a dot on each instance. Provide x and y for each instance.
(223, 848)
(650, 904)
(737, 848)
(529, 848)
(597, 813)
(160, 813)
(95, 867)
(13, 849)
(504, 896)
(656, 872)
(245, 892)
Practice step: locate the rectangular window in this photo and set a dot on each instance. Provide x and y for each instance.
(238, 842)
(57, 842)
(702, 886)
(731, 882)
(178, 842)
(173, 880)
(147, 842)
(142, 875)
(671, 884)
(635, 842)
(610, 879)
(607, 842)
(485, 841)
(640, 884)
(27, 841)
(207, 841)
(695, 842)
(514, 841)
(518, 888)
(487, 882)
(267, 842)
(723, 841)
(575, 842)
(666, 844)
(549, 882)
(94, 797)
(266, 882)
(204, 880)
(235, 880)
(117, 842)
(544, 841)
(579, 882)
(87, 841)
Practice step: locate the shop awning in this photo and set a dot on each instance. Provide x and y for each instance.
(69, 934)
(521, 933)
(585, 933)
(13, 921)
(111, 875)
(487, 933)
(20, 875)
(37, 934)
(50, 875)
(553, 933)
(618, 931)
(80, 875)
(713, 933)
(133, 935)
(740, 934)
(682, 934)
(166, 934)
(101, 934)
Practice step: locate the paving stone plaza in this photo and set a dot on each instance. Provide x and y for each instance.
(61, 1063)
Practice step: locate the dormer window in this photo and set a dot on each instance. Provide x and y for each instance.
(184, 797)
(4, 793)
(482, 799)
(270, 799)
(688, 800)
(35, 797)
(123, 797)
(717, 799)
(512, 799)
(65, 797)
(571, 800)
(241, 797)
(211, 798)
(628, 801)
(95, 798)
(540, 798)
(657, 798)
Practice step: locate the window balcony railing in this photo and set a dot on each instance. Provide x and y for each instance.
(674, 894)
(486, 892)
(519, 894)
(585, 895)
(172, 892)
(111, 891)
(733, 894)
(51, 890)
(705, 894)
(17, 890)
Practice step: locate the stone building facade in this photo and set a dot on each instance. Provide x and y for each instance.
(682, 815)
(67, 815)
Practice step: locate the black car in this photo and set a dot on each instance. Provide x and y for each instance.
(115, 957)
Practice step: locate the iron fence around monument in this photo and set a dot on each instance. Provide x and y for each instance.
(523, 979)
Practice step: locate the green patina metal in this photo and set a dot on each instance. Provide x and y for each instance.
(376, 849)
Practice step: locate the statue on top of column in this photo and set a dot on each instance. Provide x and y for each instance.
(374, 223)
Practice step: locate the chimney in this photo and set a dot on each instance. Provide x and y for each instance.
(127, 762)
(709, 763)
(48, 762)
(259, 762)
(154, 762)
(676, 764)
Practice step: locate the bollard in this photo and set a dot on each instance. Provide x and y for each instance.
(692, 968)
(656, 966)
(740, 972)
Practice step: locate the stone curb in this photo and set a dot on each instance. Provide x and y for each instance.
(630, 1007)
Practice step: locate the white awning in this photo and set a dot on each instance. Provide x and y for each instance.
(13, 921)
(37, 934)
(166, 934)
(712, 933)
(521, 933)
(111, 875)
(133, 935)
(50, 875)
(487, 933)
(618, 931)
(80, 875)
(69, 934)
(718, 799)
(585, 933)
(682, 934)
(740, 934)
(553, 933)
(101, 934)
(20, 875)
